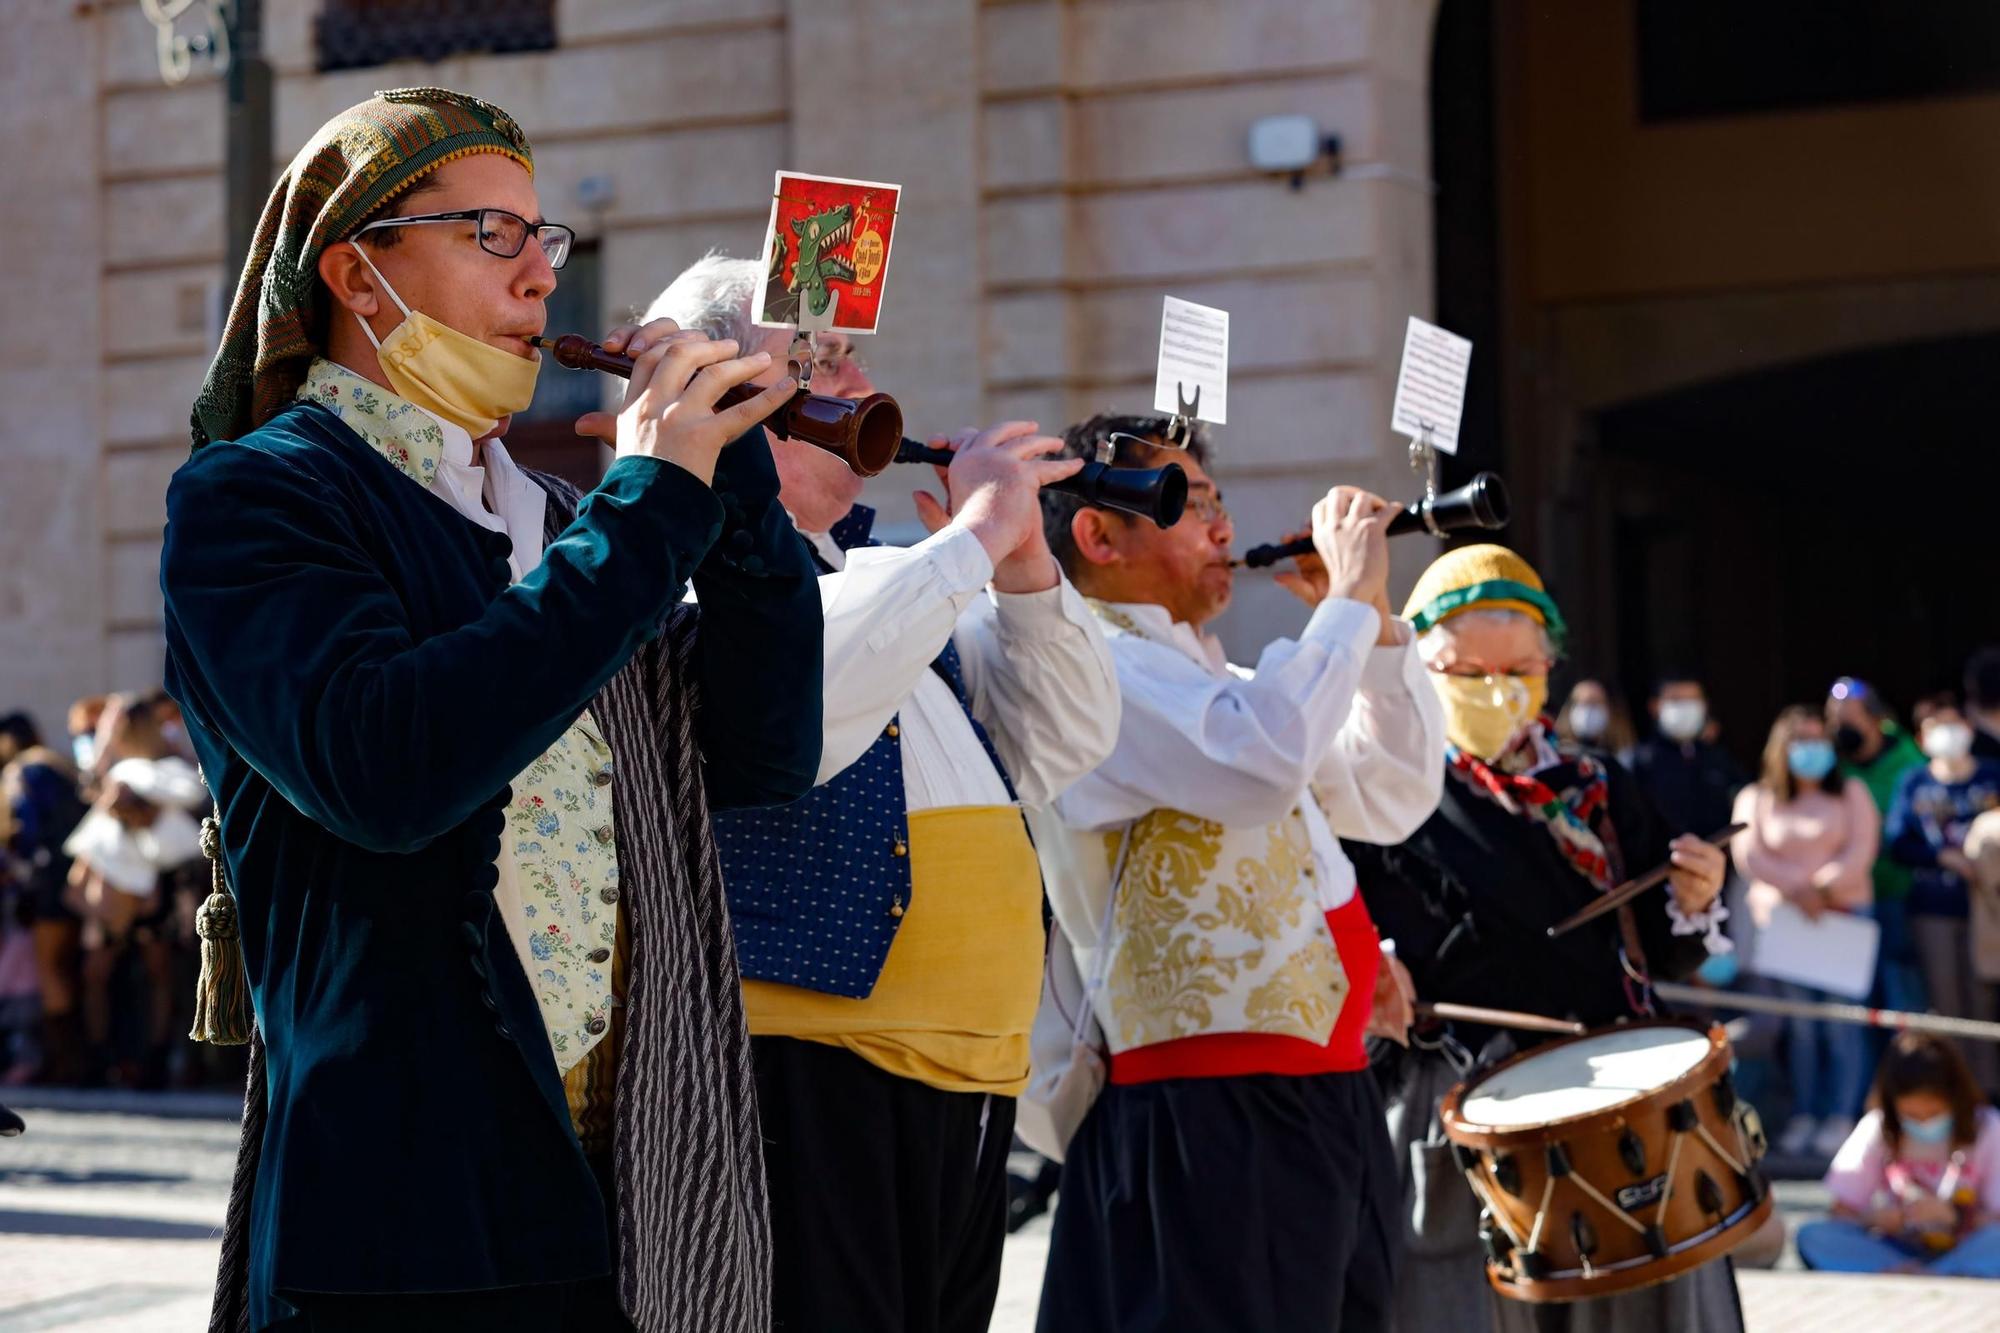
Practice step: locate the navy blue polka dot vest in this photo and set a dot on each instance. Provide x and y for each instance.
(817, 889)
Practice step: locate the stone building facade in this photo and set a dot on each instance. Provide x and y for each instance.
(1065, 165)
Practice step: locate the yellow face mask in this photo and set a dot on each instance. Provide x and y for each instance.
(467, 382)
(1483, 714)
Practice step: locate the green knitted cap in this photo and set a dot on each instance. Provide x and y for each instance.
(1491, 592)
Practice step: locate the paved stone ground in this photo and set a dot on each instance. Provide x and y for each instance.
(109, 1220)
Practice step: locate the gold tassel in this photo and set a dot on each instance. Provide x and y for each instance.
(222, 996)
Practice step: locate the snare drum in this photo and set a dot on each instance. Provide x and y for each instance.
(1609, 1161)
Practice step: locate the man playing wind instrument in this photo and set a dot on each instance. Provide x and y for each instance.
(463, 740)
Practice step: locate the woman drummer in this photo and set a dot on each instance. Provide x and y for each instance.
(1530, 829)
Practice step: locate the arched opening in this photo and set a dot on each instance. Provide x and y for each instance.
(1774, 530)
(1733, 356)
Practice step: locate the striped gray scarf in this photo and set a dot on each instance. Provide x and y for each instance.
(693, 1243)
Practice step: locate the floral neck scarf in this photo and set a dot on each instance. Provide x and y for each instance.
(1561, 788)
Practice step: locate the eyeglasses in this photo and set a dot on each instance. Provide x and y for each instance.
(500, 233)
(1205, 507)
(1454, 665)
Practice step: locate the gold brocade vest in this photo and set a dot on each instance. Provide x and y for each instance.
(1217, 929)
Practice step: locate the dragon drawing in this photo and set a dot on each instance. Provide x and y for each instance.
(819, 234)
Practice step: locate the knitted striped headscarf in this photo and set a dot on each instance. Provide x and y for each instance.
(359, 160)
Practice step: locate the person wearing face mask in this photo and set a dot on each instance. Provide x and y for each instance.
(1530, 828)
(1594, 718)
(1691, 780)
(1916, 1187)
(1876, 752)
(1809, 837)
(1234, 1172)
(1933, 810)
(463, 738)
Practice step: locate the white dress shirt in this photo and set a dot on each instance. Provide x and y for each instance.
(1358, 724)
(497, 496)
(1037, 672)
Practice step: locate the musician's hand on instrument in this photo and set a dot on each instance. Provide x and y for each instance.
(993, 489)
(1350, 531)
(934, 514)
(1395, 1001)
(1306, 579)
(669, 410)
(1698, 871)
(628, 340)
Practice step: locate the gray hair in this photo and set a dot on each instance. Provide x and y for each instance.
(713, 294)
(1433, 641)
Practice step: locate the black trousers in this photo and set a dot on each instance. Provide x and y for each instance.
(565, 1307)
(1259, 1202)
(888, 1198)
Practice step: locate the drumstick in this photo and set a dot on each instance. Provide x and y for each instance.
(1632, 888)
(1499, 1018)
(1829, 1011)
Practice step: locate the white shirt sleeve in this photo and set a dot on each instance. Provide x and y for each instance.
(888, 613)
(1040, 679)
(1383, 774)
(1229, 748)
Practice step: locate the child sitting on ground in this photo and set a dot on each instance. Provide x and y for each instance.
(1916, 1187)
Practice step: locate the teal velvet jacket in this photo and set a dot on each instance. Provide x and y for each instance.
(362, 682)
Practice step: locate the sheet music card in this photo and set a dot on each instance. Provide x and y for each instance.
(1193, 379)
(1430, 391)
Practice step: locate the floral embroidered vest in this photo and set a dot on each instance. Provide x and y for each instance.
(558, 887)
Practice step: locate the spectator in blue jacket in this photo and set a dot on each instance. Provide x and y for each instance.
(1934, 805)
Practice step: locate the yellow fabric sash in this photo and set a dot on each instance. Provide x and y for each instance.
(957, 994)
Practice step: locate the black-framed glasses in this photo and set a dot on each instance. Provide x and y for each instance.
(500, 233)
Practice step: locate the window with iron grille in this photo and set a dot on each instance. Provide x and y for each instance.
(353, 34)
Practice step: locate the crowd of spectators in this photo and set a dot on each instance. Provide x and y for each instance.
(101, 873)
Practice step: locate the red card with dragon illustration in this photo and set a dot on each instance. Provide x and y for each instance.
(827, 253)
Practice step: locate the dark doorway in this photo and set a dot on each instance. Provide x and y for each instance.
(1464, 166)
(1773, 531)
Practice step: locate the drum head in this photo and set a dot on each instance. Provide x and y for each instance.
(1583, 1076)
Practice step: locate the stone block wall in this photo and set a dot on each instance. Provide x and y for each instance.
(1065, 164)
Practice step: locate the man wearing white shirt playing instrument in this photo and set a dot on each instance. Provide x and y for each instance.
(889, 926)
(1235, 1171)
